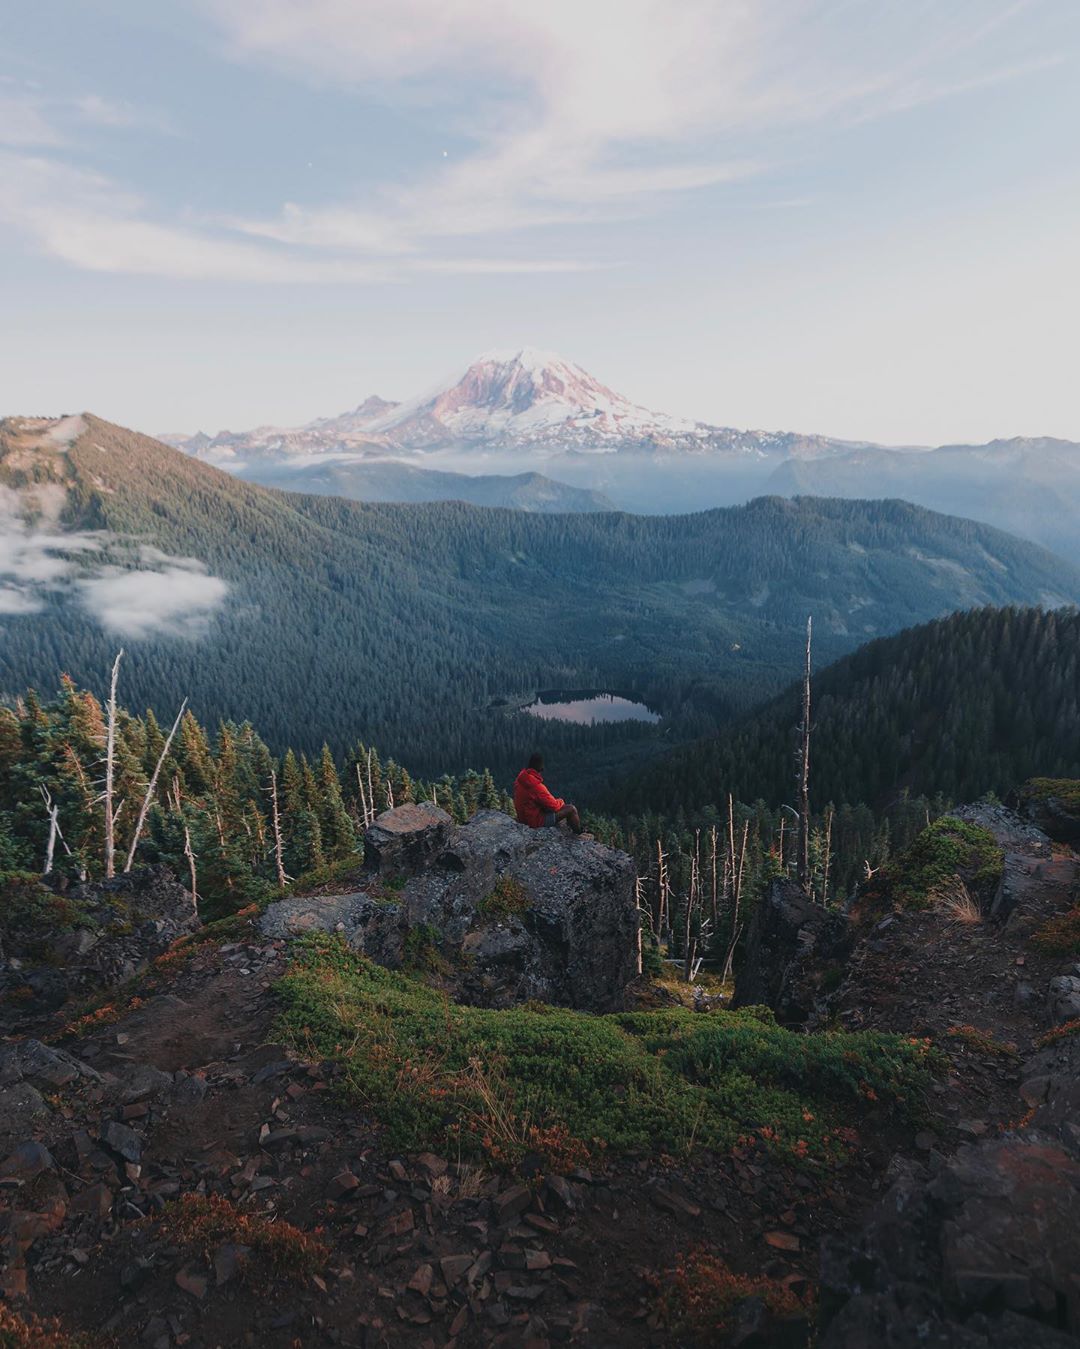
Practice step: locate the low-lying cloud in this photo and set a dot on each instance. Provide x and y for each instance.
(133, 589)
(178, 600)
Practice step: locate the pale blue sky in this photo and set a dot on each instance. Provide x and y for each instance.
(857, 217)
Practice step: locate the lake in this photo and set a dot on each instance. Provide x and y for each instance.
(587, 708)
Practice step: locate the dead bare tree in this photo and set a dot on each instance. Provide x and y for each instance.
(363, 798)
(692, 900)
(148, 798)
(190, 855)
(802, 762)
(639, 895)
(826, 861)
(110, 766)
(663, 890)
(55, 831)
(738, 866)
(712, 868)
(279, 855)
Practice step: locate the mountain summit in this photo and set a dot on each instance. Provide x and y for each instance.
(507, 401)
(527, 396)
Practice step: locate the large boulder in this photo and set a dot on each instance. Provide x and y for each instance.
(791, 947)
(404, 840)
(499, 912)
(982, 1254)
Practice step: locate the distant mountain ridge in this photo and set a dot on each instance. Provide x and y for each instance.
(391, 480)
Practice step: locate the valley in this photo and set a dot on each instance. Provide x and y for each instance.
(324, 620)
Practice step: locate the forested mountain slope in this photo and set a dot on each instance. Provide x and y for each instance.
(323, 619)
(971, 703)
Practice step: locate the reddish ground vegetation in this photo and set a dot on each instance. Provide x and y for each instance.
(701, 1296)
(205, 1221)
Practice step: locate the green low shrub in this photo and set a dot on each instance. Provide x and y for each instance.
(946, 849)
(504, 1081)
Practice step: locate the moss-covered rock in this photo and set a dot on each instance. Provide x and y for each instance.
(947, 850)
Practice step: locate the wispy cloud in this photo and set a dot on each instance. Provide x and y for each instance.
(572, 112)
(606, 107)
(23, 121)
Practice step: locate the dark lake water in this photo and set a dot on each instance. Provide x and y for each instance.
(587, 708)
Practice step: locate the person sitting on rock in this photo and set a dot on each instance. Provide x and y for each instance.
(535, 805)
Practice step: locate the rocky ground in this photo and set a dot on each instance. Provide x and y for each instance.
(121, 1135)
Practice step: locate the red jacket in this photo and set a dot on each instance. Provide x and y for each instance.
(532, 800)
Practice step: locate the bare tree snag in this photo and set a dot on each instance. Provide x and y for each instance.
(279, 856)
(802, 759)
(363, 797)
(638, 895)
(110, 764)
(148, 798)
(54, 829)
(189, 854)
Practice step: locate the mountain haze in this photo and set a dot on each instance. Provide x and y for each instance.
(529, 411)
(391, 480)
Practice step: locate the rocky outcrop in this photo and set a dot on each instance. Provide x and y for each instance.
(501, 913)
(92, 936)
(791, 946)
(1053, 805)
(1028, 854)
(981, 1254)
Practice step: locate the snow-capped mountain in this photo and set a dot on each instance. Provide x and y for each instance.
(507, 401)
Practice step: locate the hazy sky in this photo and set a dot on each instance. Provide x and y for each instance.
(858, 217)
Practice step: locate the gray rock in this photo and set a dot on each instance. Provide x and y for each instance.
(188, 1090)
(789, 941)
(1058, 1113)
(124, 1141)
(142, 1082)
(316, 913)
(1064, 997)
(28, 1160)
(404, 840)
(50, 1069)
(20, 1106)
(511, 913)
(981, 1254)
(1024, 845)
(125, 923)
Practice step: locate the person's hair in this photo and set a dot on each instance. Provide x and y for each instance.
(537, 761)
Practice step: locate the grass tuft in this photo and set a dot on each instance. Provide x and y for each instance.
(982, 1042)
(507, 898)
